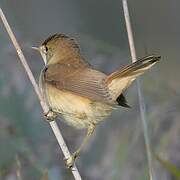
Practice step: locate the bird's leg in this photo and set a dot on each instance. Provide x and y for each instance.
(69, 162)
(50, 115)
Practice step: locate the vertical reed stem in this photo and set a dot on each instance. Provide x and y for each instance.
(140, 94)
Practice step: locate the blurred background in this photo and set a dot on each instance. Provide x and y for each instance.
(117, 150)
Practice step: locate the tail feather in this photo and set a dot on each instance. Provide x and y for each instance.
(120, 80)
(131, 69)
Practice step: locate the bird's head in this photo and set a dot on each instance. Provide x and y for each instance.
(58, 48)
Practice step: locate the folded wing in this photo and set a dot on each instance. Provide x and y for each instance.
(82, 81)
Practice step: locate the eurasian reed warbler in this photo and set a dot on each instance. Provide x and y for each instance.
(81, 94)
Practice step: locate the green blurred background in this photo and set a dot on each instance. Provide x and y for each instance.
(117, 150)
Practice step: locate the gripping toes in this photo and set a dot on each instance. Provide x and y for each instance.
(50, 115)
(69, 161)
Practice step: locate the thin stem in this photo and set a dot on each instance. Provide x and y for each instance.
(44, 106)
(140, 94)
(18, 168)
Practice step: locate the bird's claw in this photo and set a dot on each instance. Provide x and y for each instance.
(69, 162)
(50, 115)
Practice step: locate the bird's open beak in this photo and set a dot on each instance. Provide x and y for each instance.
(35, 48)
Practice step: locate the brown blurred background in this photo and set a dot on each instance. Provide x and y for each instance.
(116, 151)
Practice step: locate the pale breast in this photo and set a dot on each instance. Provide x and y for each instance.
(73, 108)
(77, 111)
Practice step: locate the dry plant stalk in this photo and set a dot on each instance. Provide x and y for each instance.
(140, 95)
(18, 168)
(44, 106)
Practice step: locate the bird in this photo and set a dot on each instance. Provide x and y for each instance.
(78, 92)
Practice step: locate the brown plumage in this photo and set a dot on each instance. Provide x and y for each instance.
(83, 95)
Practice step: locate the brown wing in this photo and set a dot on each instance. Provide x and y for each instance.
(82, 81)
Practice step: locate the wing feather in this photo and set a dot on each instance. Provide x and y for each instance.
(82, 81)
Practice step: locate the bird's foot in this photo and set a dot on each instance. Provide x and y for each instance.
(69, 162)
(50, 115)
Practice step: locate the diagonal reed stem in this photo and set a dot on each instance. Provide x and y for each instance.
(140, 94)
(44, 106)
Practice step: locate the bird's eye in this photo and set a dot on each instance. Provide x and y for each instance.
(46, 48)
